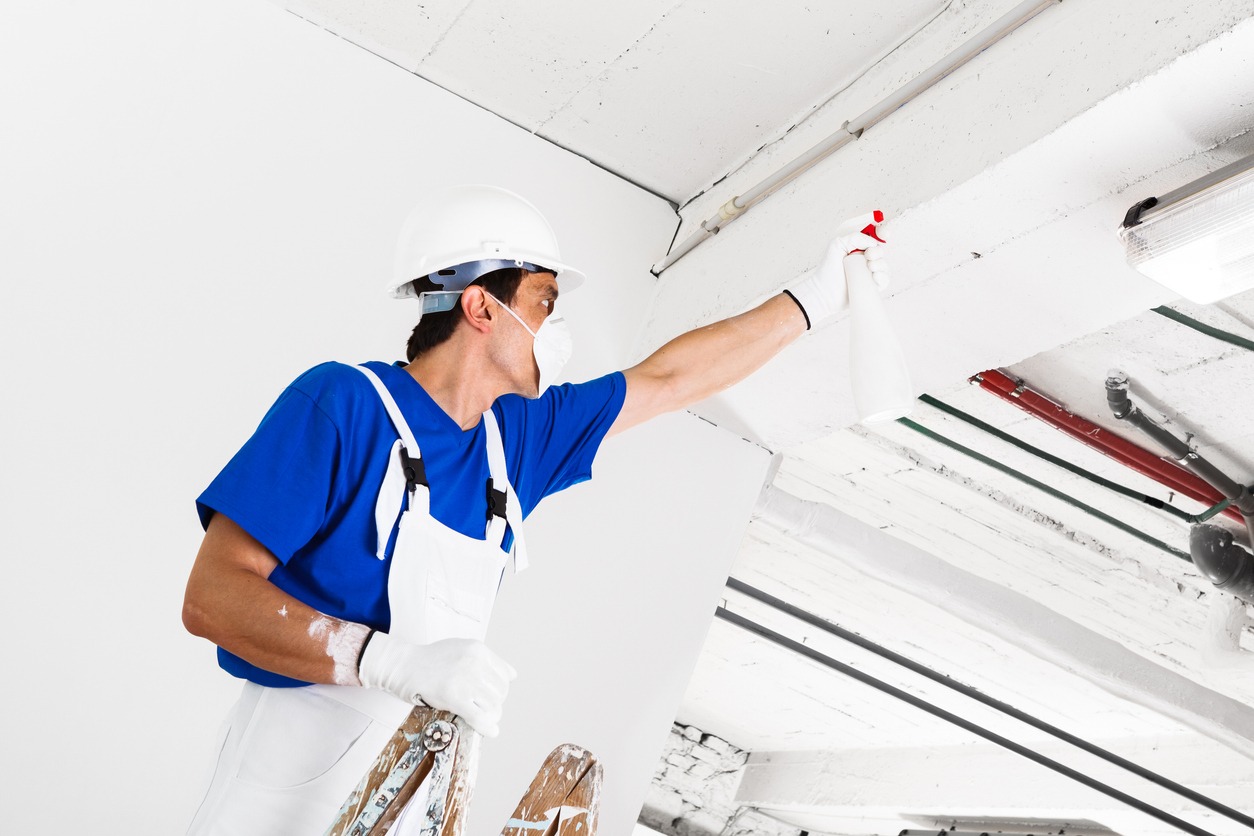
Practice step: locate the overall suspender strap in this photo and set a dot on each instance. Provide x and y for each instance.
(500, 480)
(405, 463)
(403, 471)
(394, 411)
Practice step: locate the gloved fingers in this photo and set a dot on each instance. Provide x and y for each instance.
(502, 668)
(494, 672)
(468, 699)
(481, 724)
(877, 264)
(835, 252)
(439, 700)
(880, 273)
(490, 686)
(483, 718)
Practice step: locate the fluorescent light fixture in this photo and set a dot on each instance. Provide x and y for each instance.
(1199, 239)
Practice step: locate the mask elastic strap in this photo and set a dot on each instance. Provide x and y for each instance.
(511, 313)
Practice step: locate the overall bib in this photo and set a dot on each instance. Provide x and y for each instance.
(292, 755)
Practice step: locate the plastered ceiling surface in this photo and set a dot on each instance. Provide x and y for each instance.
(669, 94)
(1004, 184)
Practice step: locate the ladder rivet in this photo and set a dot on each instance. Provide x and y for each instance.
(437, 735)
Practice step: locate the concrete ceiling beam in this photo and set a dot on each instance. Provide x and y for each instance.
(1006, 196)
(832, 791)
(1013, 617)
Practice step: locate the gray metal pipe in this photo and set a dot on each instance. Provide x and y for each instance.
(1183, 454)
(1228, 566)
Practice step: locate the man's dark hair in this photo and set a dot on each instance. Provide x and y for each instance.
(435, 328)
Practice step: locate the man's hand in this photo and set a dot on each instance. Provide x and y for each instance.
(458, 675)
(823, 294)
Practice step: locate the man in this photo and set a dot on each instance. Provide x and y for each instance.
(354, 545)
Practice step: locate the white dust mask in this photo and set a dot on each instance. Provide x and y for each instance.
(551, 345)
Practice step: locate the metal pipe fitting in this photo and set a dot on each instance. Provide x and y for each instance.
(1117, 394)
(1180, 452)
(1225, 564)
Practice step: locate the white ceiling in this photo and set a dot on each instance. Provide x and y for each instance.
(737, 74)
(1005, 181)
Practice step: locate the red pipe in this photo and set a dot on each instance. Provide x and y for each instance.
(1125, 452)
(1121, 450)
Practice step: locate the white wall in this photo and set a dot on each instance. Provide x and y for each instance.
(200, 201)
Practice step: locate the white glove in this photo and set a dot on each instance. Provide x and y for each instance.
(823, 293)
(458, 675)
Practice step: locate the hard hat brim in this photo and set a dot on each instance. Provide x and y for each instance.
(568, 279)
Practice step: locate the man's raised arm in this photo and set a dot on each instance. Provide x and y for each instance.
(707, 360)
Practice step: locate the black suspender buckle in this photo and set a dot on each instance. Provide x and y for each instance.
(496, 502)
(415, 471)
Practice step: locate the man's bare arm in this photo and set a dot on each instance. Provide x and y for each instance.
(705, 361)
(231, 602)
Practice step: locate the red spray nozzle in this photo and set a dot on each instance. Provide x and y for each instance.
(869, 230)
(851, 238)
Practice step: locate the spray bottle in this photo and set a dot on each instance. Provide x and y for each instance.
(878, 373)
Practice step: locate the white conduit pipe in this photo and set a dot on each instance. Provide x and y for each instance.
(854, 128)
(1012, 616)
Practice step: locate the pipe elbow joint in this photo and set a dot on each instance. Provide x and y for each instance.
(1224, 563)
(1117, 394)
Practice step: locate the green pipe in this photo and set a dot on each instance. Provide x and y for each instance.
(1208, 330)
(1073, 468)
(1054, 492)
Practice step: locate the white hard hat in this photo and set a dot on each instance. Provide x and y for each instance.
(463, 232)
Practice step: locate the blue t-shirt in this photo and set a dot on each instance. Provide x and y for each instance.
(305, 484)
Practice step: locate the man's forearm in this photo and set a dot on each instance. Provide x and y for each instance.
(707, 360)
(231, 602)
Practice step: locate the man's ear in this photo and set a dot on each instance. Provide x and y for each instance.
(475, 309)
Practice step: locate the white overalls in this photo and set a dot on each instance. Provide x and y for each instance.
(292, 755)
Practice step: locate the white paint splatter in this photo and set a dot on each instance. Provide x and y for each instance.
(283, 611)
(342, 640)
(557, 815)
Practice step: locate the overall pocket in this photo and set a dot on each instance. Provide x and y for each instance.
(297, 736)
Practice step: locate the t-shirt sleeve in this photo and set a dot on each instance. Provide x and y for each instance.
(551, 441)
(278, 486)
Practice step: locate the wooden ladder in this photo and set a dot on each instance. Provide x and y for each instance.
(430, 763)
